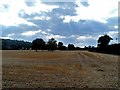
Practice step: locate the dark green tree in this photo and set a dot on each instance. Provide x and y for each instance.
(60, 45)
(8, 44)
(52, 44)
(71, 47)
(38, 44)
(103, 41)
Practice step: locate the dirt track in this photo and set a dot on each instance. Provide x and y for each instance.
(59, 69)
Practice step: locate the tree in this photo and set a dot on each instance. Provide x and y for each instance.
(38, 44)
(60, 45)
(71, 47)
(77, 48)
(52, 44)
(8, 44)
(64, 48)
(103, 41)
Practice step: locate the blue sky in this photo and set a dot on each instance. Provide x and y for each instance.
(80, 22)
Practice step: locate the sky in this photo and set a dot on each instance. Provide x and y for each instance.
(78, 22)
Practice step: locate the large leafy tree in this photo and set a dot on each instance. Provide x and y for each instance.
(52, 44)
(103, 41)
(38, 43)
(60, 45)
(71, 47)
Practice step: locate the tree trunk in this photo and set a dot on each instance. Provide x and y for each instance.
(36, 50)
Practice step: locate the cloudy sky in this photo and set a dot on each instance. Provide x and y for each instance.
(80, 22)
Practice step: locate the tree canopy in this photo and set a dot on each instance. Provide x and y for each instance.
(38, 43)
(103, 41)
(7, 44)
(71, 47)
(52, 44)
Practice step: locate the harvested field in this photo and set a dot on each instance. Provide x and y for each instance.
(59, 69)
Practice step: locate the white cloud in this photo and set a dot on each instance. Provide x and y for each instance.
(6, 38)
(113, 33)
(44, 34)
(113, 27)
(116, 27)
(55, 36)
(84, 38)
(10, 35)
(49, 30)
(41, 18)
(62, 0)
(67, 19)
(39, 7)
(30, 33)
(10, 15)
(8, 20)
(97, 10)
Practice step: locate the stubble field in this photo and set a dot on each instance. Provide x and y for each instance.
(59, 69)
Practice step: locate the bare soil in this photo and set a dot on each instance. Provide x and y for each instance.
(59, 69)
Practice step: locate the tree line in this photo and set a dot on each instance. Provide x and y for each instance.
(7, 44)
(104, 47)
(52, 44)
(37, 44)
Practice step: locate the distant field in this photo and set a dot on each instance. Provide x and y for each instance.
(59, 69)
